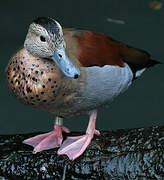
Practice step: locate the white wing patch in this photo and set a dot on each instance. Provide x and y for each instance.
(138, 73)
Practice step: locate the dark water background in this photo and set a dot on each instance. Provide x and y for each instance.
(142, 105)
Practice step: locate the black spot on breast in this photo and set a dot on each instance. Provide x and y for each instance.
(34, 79)
(28, 90)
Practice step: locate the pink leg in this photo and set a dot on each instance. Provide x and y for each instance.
(46, 141)
(73, 147)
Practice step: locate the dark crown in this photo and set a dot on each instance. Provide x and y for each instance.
(49, 24)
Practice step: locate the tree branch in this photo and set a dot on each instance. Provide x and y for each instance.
(122, 154)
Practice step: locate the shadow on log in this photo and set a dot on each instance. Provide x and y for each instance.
(122, 154)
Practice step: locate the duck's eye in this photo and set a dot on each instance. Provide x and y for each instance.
(42, 38)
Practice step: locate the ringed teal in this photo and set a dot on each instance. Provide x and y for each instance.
(68, 72)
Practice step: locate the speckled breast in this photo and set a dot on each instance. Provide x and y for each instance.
(32, 80)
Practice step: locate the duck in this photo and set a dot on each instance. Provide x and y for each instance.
(68, 72)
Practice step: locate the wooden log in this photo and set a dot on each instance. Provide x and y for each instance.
(118, 155)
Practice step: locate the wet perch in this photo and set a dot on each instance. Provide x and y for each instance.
(122, 154)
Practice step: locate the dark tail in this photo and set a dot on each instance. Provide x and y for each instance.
(152, 63)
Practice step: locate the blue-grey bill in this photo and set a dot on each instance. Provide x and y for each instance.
(65, 64)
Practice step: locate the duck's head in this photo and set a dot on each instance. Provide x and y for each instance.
(45, 40)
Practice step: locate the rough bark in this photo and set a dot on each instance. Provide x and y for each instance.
(122, 154)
